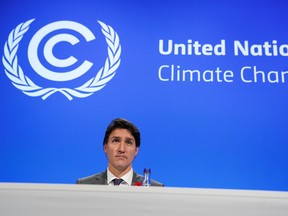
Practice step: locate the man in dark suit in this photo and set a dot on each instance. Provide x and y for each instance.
(121, 144)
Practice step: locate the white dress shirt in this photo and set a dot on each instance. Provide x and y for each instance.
(127, 178)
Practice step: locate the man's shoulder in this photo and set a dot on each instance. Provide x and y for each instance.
(99, 178)
(156, 183)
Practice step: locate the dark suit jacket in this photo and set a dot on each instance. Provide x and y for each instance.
(101, 179)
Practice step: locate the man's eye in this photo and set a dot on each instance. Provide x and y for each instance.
(129, 142)
(115, 140)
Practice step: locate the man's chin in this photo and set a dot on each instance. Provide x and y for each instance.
(122, 167)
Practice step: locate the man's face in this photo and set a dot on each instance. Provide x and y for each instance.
(121, 150)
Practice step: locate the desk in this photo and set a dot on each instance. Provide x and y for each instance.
(70, 200)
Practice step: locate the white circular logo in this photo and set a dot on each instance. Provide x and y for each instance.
(27, 86)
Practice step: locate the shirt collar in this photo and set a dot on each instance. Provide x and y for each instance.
(127, 178)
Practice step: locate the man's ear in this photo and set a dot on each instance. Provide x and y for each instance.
(105, 148)
(137, 149)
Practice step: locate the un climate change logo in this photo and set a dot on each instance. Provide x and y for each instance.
(18, 78)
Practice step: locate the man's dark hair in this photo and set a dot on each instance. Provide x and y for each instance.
(120, 123)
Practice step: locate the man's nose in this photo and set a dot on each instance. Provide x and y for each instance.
(121, 147)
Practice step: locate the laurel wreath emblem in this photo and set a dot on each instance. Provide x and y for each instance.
(15, 73)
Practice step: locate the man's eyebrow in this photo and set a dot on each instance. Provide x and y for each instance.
(128, 138)
(115, 137)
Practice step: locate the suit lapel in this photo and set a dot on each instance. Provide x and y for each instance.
(136, 178)
(102, 178)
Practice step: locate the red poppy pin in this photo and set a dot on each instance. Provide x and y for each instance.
(138, 184)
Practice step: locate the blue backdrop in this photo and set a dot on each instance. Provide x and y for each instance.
(205, 82)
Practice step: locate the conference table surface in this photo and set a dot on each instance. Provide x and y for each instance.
(68, 199)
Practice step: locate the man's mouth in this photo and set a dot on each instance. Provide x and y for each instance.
(121, 156)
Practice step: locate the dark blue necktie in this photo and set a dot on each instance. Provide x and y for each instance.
(117, 181)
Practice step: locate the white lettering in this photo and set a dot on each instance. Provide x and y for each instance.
(238, 47)
(191, 48)
(169, 47)
(176, 73)
(252, 74)
(266, 49)
(243, 75)
(160, 75)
